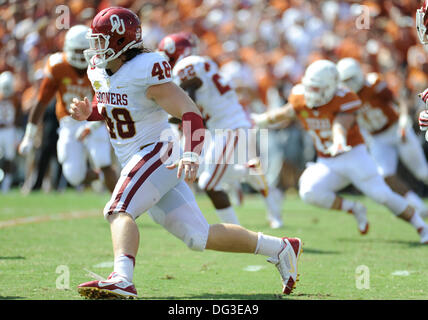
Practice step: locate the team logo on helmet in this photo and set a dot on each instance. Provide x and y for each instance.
(117, 24)
(169, 45)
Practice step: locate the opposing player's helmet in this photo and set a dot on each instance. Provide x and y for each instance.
(7, 82)
(193, 39)
(113, 31)
(74, 44)
(350, 74)
(422, 22)
(175, 46)
(320, 81)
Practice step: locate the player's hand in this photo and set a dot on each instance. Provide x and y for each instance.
(338, 148)
(27, 143)
(25, 147)
(82, 133)
(259, 119)
(423, 120)
(188, 166)
(404, 122)
(80, 109)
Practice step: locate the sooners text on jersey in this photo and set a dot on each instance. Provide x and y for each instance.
(133, 121)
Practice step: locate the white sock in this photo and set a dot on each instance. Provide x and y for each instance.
(347, 205)
(268, 246)
(124, 265)
(227, 215)
(417, 222)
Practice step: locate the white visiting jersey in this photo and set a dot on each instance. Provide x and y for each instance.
(132, 119)
(216, 98)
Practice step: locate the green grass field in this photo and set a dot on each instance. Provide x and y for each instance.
(49, 242)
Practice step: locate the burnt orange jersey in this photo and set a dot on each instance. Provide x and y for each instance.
(64, 81)
(318, 121)
(378, 112)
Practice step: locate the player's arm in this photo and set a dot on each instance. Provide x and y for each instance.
(404, 121)
(190, 86)
(47, 91)
(285, 113)
(339, 130)
(178, 104)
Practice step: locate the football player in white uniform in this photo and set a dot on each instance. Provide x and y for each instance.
(387, 130)
(230, 155)
(422, 29)
(65, 77)
(134, 93)
(9, 113)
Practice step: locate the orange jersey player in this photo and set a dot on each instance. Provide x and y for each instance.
(388, 131)
(65, 78)
(328, 112)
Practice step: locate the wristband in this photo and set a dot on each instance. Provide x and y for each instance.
(193, 131)
(191, 157)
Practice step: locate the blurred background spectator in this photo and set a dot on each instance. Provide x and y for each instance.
(262, 46)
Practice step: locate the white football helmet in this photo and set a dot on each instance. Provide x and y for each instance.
(350, 74)
(74, 44)
(7, 82)
(320, 81)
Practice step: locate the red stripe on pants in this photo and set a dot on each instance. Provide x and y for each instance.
(132, 173)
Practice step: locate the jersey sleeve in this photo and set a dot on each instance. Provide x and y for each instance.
(349, 103)
(380, 88)
(296, 98)
(152, 69)
(48, 86)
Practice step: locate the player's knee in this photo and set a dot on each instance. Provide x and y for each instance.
(317, 197)
(196, 240)
(422, 174)
(74, 175)
(310, 196)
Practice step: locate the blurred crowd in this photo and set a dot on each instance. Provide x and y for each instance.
(263, 46)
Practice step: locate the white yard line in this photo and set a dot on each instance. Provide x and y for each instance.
(47, 218)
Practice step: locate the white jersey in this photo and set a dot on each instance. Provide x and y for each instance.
(132, 119)
(7, 113)
(216, 98)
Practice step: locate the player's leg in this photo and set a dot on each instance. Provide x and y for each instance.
(413, 157)
(276, 156)
(363, 174)
(223, 207)
(72, 157)
(143, 181)
(318, 185)
(399, 186)
(211, 178)
(386, 149)
(99, 148)
(179, 213)
(7, 146)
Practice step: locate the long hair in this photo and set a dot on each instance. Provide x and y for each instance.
(132, 53)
